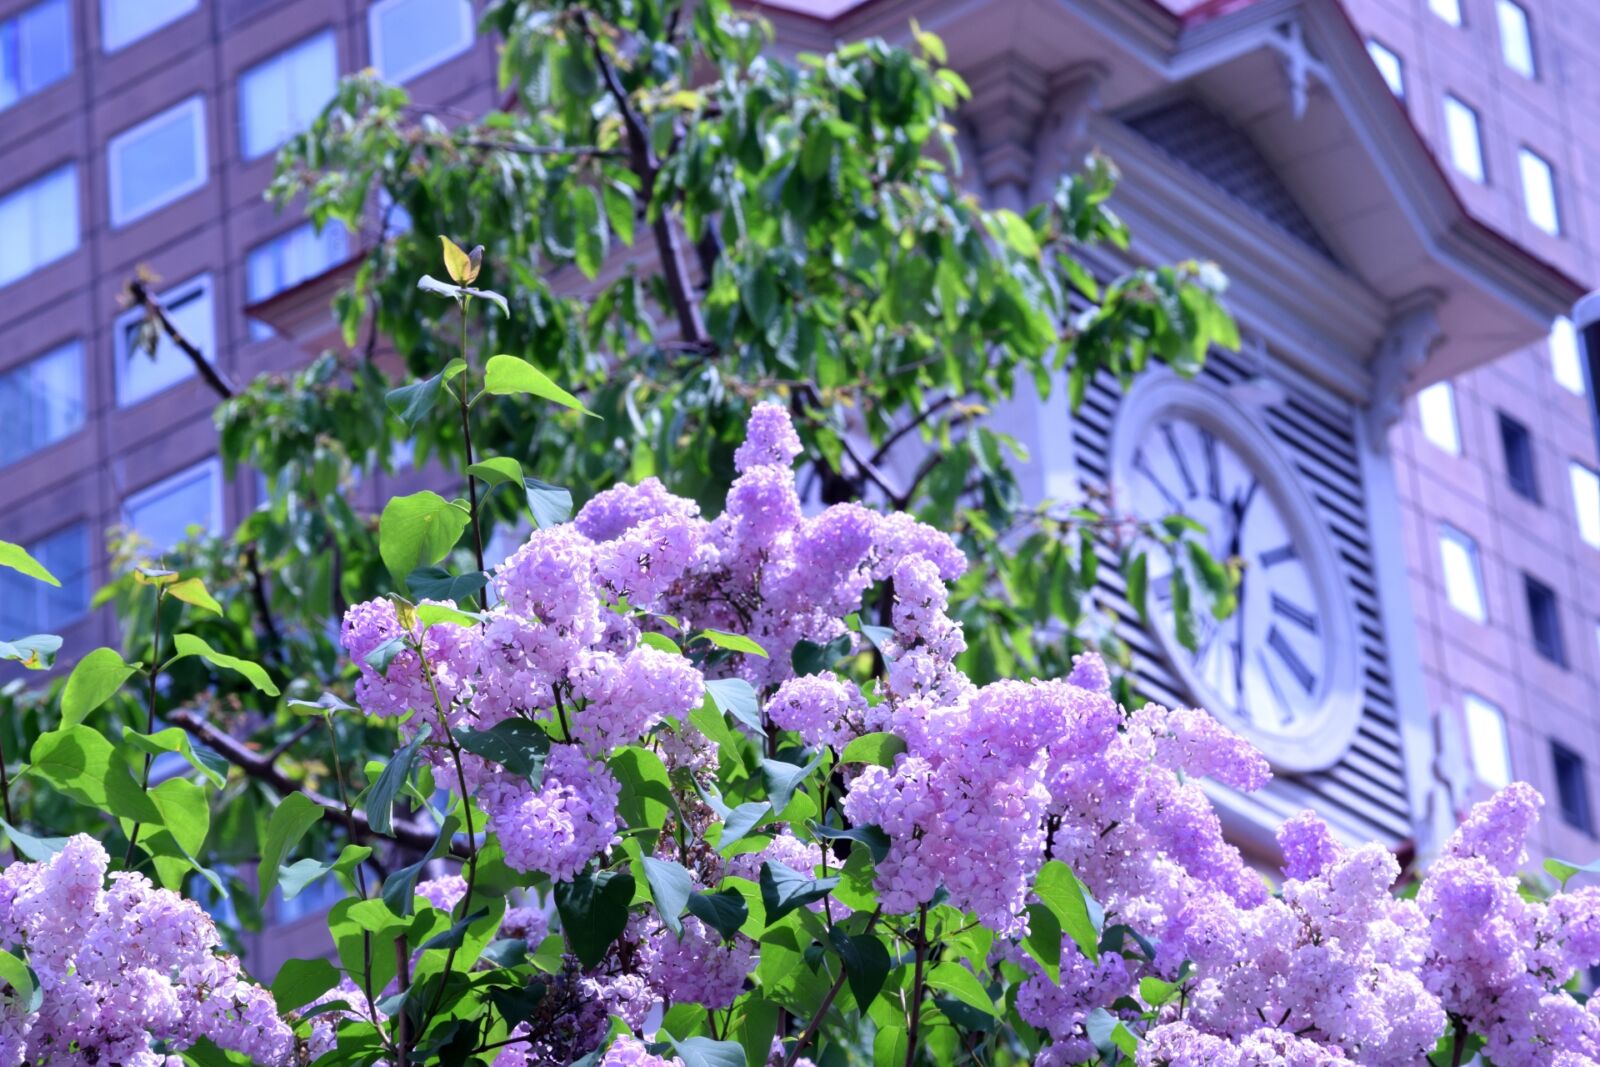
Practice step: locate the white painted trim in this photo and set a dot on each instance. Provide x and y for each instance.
(195, 107)
(375, 14)
(1339, 709)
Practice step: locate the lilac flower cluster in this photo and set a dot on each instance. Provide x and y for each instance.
(120, 967)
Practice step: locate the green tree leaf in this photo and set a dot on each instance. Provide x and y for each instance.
(508, 375)
(436, 583)
(732, 642)
(594, 910)
(706, 1052)
(783, 889)
(93, 680)
(36, 652)
(418, 530)
(16, 557)
(299, 982)
(866, 964)
(288, 823)
(670, 887)
(736, 697)
(395, 775)
(962, 984)
(172, 739)
(879, 749)
(518, 745)
(190, 645)
(1060, 891)
(193, 591)
(724, 911)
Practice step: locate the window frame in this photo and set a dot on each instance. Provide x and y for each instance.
(74, 343)
(211, 466)
(375, 15)
(1530, 161)
(1521, 458)
(1562, 756)
(1465, 541)
(24, 91)
(274, 61)
(1455, 104)
(196, 107)
(1544, 614)
(200, 284)
(261, 331)
(29, 188)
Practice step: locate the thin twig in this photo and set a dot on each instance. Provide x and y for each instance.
(219, 383)
(827, 1002)
(916, 989)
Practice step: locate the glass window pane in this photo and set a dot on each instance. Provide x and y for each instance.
(1449, 10)
(1486, 736)
(28, 606)
(1586, 500)
(289, 259)
(40, 221)
(41, 402)
(1461, 128)
(1539, 191)
(1437, 404)
(281, 96)
(157, 161)
(35, 49)
(1565, 360)
(189, 306)
(410, 36)
(163, 514)
(124, 21)
(1516, 39)
(1463, 580)
(1389, 66)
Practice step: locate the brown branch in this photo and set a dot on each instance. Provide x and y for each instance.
(258, 593)
(827, 1002)
(140, 294)
(257, 766)
(583, 150)
(901, 431)
(669, 244)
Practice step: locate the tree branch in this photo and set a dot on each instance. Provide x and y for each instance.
(669, 244)
(255, 765)
(140, 295)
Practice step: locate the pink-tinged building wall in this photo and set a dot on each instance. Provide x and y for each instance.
(1543, 702)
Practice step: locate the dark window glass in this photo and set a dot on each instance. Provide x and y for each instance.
(1572, 787)
(1521, 471)
(1544, 618)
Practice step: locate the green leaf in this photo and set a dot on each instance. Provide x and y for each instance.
(436, 583)
(1214, 577)
(1109, 1034)
(741, 820)
(172, 739)
(456, 263)
(618, 200)
(962, 984)
(866, 964)
(16, 557)
(190, 645)
(429, 615)
(294, 877)
(736, 697)
(871, 837)
(417, 530)
(879, 749)
(37, 849)
(287, 825)
(1562, 871)
(324, 704)
(591, 243)
(550, 505)
(21, 988)
(1155, 992)
(81, 763)
(733, 642)
(809, 657)
(507, 375)
(1137, 575)
(724, 911)
(36, 652)
(429, 284)
(516, 744)
(783, 889)
(299, 982)
(380, 798)
(399, 889)
(93, 680)
(670, 886)
(783, 778)
(594, 910)
(193, 591)
(413, 403)
(1015, 232)
(1069, 902)
(497, 471)
(1044, 940)
(706, 1052)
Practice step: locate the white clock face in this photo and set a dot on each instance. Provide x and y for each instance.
(1280, 669)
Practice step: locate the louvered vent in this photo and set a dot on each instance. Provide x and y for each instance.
(1365, 792)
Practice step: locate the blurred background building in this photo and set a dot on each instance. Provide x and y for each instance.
(142, 132)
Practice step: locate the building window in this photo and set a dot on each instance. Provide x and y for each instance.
(1516, 39)
(1461, 128)
(411, 36)
(139, 374)
(1572, 787)
(1539, 191)
(1449, 10)
(35, 50)
(1544, 620)
(158, 161)
(1389, 65)
(1522, 470)
(1437, 404)
(29, 606)
(280, 97)
(40, 223)
(1566, 362)
(1586, 500)
(124, 21)
(289, 259)
(1463, 575)
(1486, 741)
(41, 402)
(163, 514)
